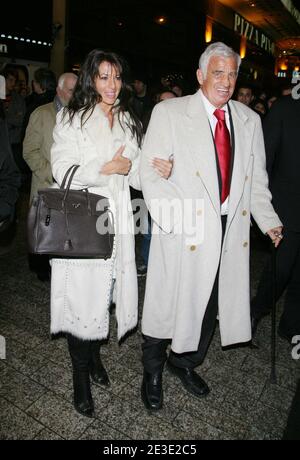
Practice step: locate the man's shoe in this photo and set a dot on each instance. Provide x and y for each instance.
(191, 381)
(152, 392)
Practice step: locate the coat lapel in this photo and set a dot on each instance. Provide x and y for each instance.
(202, 148)
(242, 149)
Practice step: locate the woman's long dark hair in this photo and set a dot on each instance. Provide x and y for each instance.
(85, 96)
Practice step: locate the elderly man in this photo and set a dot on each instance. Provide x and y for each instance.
(39, 134)
(199, 271)
(36, 151)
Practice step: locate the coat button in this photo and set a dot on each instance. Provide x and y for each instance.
(199, 212)
(193, 248)
(198, 174)
(245, 245)
(246, 178)
(244, 213)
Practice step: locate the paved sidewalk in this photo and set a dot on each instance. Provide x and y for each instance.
(36, 386)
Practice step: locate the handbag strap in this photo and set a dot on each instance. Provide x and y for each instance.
(67, 174)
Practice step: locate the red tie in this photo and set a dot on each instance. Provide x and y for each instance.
(222, 140)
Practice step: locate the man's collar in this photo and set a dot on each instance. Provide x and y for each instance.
(209, 107)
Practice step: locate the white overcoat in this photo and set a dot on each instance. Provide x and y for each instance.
(81, 289)
(183, 264)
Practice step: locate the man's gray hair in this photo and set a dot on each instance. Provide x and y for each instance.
(63, 77)
(217, 49)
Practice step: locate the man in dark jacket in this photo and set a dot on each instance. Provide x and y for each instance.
(281, 132)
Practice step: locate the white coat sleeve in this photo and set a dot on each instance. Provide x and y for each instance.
(261, 206)
(162, 196)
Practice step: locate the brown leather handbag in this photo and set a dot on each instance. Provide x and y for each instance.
(70, 223)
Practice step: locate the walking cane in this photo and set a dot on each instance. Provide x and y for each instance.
(273, 378)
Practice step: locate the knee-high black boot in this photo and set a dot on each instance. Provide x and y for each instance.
(97, 370)
(80, 352)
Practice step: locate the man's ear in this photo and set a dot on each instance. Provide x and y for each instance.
(200, 76)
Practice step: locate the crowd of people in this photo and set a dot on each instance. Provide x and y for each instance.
(205, 163)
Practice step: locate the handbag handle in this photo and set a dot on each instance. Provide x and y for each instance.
(67, 189)
(66, 176)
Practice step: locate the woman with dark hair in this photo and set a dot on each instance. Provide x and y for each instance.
(98, 131)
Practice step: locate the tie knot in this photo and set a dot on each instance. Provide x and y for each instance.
(219, 114)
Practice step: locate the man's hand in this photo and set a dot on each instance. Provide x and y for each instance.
(118, 165)
(162, 167)
(276, 235)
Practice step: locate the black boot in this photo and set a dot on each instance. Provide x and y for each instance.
(80, 352)
(152, 391)
(97, 370)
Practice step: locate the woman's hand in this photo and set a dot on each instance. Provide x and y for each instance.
(118, 165)
(162, 167)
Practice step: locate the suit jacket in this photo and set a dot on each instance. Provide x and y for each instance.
(281, 131)
(37, 146)
(182, 264)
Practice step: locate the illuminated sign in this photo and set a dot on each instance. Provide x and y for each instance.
(247, 30)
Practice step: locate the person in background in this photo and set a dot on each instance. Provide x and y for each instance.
(14, 107)
(217, 181)
(260, 106)
(10, 180)
(36, 152)
(43, 92)
(281, 127)
(244, 94)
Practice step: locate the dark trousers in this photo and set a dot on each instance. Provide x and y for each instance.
(155, 350)
(287, 277)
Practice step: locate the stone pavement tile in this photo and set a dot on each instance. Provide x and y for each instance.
(112, 351)
(59, 416)
(256, 365)
(120, 414)
(267, 420)
(54, 377)
(16, 424)
(56, 352)
(148, 426)
(19, 389)
(197, 428)
(132, 359)
(23, 359)
(238, 402)
(100, 431)
(236, 379)
(229, 357)
(19, 334)
(47, 435)
(200, 408)
(277, 397)
(120, 372)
